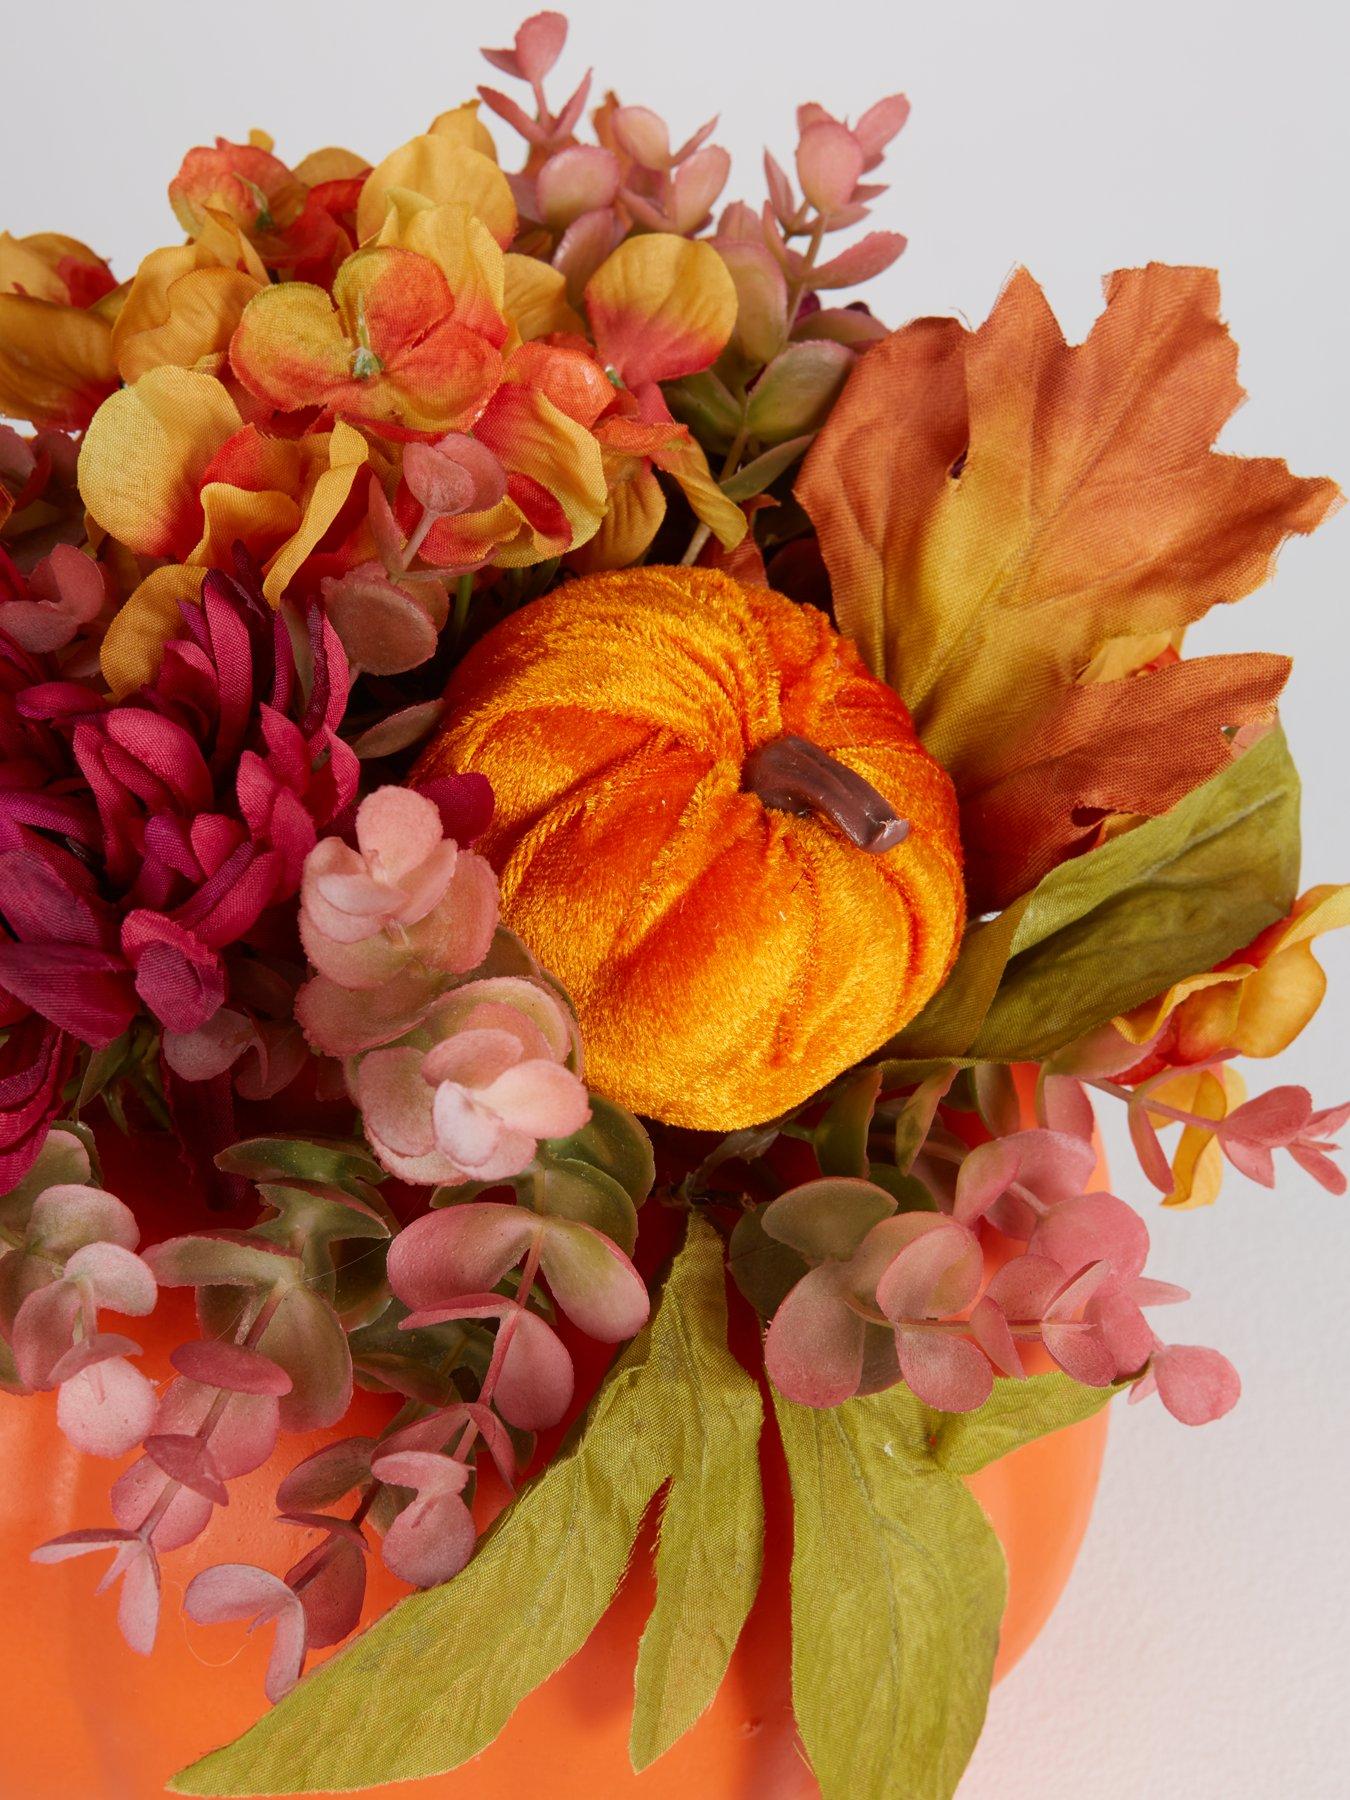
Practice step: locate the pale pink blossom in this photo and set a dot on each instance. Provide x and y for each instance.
(475, 1105)
(405, 894)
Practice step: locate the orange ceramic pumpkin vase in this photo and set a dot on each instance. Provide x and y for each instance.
(716, 829)
(83, 1718)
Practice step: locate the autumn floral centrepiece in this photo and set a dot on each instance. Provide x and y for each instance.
(546, 755)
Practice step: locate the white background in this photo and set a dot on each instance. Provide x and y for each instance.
(1202, 1650)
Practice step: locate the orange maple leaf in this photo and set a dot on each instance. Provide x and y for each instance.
(996, 507)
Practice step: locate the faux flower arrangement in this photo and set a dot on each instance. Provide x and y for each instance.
(534, 739)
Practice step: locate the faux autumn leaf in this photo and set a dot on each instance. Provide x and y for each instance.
(435, 1680)
(893, 1641)
(1033, 501)
(1105, 931)
(1137, 745)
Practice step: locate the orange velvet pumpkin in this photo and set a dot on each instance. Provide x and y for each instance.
(696, 784)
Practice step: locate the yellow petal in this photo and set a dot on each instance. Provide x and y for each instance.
(1147, 1021)
(661, 306)
(28, 266)
(533, 437)
(56, 362)
(462, 247)
(243, 515)
(329, 164)
(347, 455)
(197, 314)
(1197, 1166)
(440, 170)
(636, 509)
(462, 125)
(134, 646)
(684, 459)
(144, 454)
(536, 299)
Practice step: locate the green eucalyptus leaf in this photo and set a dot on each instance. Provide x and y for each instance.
(567, 1189)
(764, 1269)
(419, 1364)
(765, 469)
(826, 1220)
(707, 406)
(332, 1162)
(795, 393)
(313, 1220)
(223, 1259)
(64, 1160)
(305, 1337)
(432, 1683)
(914, 1121)
(841, 1136)
(907, 1191)
(614, 1141)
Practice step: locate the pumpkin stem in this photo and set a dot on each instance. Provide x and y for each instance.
(795, 776)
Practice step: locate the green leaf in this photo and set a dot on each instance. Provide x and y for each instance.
(709, 1556)
(64, 1159)
(707, 406)
(331, 1161)
(827, 1220)
(1104, 932)
(765, 1269)
(571, 1189)
(898, 1588)
(435, 1680)
(795, 393)
(841, 1136)
(765, 470)
(1015, 1413)
(952, 1018)
(1107, 931)
(893, 1643)
(614, 1141)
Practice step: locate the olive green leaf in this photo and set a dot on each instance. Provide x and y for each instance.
(709, 1556)
(898, 1581)
(1014, 1414)
(841, 1136)
(435, 1680)
(1109, 930)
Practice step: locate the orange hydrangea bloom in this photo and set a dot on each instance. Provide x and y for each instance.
(1253, 1004)
(386, 350)
(57, 303)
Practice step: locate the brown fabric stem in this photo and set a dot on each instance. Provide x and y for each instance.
(795, 776)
